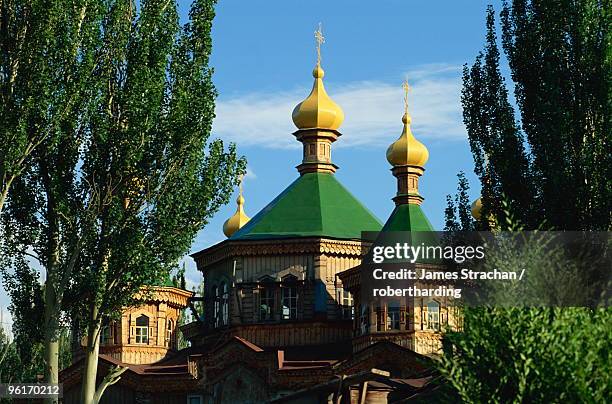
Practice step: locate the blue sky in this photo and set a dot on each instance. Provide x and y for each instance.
(263, 55)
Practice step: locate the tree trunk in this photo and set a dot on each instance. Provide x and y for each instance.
(51, 360)
(4, 192)
(88, 387)
(51, 342)
(52, 305)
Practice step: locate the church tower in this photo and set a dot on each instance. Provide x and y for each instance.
(274, 281)
(414, 323)
(407, 157)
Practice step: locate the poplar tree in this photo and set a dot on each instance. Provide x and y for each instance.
(560, 59)
(554, 169)
(46, 58)
(497, 143)
(550, 172)
(457, 215)
(148, 170)
(113, 195)
(44, 66)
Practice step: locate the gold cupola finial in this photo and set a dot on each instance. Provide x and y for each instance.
(476, 208)
(408, 157)
(239, 218)
(407, 150)
(318, 110)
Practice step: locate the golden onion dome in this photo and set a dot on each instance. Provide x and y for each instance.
(407, 150)
(318, 110)
(477, 209)
(237, 220)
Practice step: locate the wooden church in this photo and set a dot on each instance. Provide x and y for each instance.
(283, 319)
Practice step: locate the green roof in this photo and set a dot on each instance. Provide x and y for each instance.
(314, 205)
(407, 217)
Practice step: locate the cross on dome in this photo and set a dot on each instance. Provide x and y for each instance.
(320, 39)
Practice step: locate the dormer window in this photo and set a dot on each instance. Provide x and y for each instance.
(142, 329)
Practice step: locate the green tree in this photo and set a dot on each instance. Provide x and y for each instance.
(457, 215)
(552, 172)
(45, 63)
(113, 197)
(517, 355)
(555, 169)
(497, 144)
(560, 59)
(519, 347)
(46, 59)
(149, 173)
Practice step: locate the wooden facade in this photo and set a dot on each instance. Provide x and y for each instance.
(129, 342)
(274, 299)
(275, 327)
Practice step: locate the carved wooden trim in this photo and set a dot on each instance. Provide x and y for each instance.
(231, 248)
(167, 294)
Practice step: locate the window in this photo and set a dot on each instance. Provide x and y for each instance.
(393, 316)
(289, 298)
(215, 294)
(433, 316)
(169, 328)
(195, 399)
(142, 329)
(224, 305)
(266, 303)
(345, 300)
(107, 337)
(365, 319)
(380, 318)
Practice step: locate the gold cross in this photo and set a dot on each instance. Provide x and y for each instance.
(406, 88)
(320, 40)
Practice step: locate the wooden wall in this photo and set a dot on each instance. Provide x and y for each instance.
(245, 273)
(127, 350)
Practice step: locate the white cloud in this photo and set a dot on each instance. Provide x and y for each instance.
(372, 111)
(250, 174)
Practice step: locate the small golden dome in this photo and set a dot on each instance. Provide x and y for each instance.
(318, 110)
(477, 209)
(237, 220)
(407, 150)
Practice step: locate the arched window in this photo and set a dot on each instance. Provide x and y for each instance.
(225, 305)
(215, 294)
(169, 329)
(142, 329)
(433, 315)
(289, 298)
